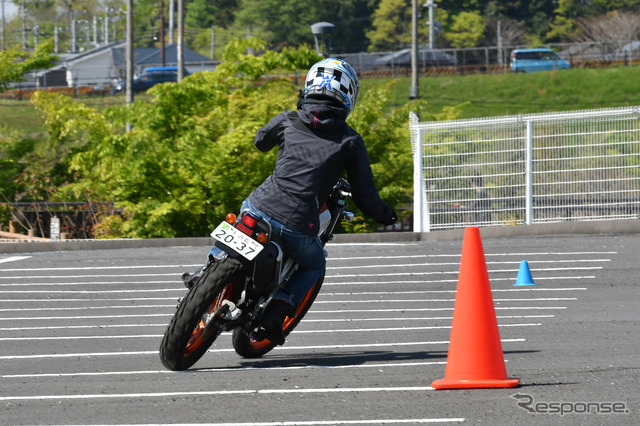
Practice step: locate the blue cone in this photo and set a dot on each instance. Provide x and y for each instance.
(524, 275)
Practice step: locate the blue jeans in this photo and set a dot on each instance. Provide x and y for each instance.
(305, 250)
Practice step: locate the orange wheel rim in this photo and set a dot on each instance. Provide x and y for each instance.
(198, 334)
(288, 321)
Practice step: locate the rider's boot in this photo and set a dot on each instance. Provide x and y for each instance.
(273, 319)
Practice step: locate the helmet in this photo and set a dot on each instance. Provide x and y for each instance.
(333, 78)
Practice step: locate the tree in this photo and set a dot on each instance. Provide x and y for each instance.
(288, 22)
(189, 159)
(466, 30)
(391, 26)
(605, 6)
(15, 63)
(205, 13)
(612, 31)
(511, 33)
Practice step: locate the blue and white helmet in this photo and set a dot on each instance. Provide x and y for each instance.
(333, 78)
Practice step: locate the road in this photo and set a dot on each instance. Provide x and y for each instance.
(80, 331)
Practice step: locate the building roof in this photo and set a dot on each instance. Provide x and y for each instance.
(142, 56)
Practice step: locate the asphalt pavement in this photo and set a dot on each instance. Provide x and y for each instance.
(80, 329)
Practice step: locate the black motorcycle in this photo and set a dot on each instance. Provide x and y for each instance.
(232, 291)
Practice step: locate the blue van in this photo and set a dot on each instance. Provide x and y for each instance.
(532, 60)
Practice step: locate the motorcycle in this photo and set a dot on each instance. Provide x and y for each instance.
(233, 290)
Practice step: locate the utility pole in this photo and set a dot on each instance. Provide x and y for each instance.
(499, 42)
(180, 40)
(106, 26)
(213, 42)
(162, 59)
(3, 23)
(171, 24)
(95, 30)
(36, 33)
(431, 5)
(74, 46)
(129, 58)
(23, 10)
(415, 89)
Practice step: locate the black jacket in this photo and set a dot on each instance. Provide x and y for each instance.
(316, 146)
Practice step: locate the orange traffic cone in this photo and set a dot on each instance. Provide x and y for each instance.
(475, 358)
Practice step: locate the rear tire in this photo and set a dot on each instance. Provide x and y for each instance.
(248, 348)
(187, 338)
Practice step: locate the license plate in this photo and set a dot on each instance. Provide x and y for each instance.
(241, 243)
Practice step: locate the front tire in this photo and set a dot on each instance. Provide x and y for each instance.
(248, 348)
(193, 328)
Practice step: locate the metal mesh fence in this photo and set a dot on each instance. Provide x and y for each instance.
(582, 165)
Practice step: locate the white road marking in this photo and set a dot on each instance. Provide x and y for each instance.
(322, 422)
(317, 302)
(13, 259)
(330, 260)
(213, 393)
(227, 369)
(279, 348)
(407, 265)
(178, 285)
(389, 282)
(306, 321)
(322, 294)
(159, 336)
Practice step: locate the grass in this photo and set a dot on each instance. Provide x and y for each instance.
(487, 94)
(22, 116)
(511, 94)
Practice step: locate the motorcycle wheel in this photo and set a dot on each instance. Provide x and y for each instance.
(187, 338)
(248, 348)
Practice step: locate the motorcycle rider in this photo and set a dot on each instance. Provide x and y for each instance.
(315, 147)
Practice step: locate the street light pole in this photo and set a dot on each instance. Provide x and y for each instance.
(322, 29)
(415, 88)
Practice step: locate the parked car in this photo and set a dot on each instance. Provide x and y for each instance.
(533, 60)
(426, 57)
(149, 78)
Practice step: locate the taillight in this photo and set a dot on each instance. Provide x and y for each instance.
(249, 220)
(247, 223)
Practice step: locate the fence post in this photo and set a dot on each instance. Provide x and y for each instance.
(420, 206)
(528, 178)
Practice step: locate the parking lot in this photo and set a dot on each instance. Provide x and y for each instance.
(80, 331)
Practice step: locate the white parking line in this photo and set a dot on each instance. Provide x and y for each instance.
(13, 259)
(177, 285)
(279, 348)
(176, 275)
(213, 393)
(321, 422)
(306, 321)
(227, 369)
(407, 265)
(297, 332)
(385, 293)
